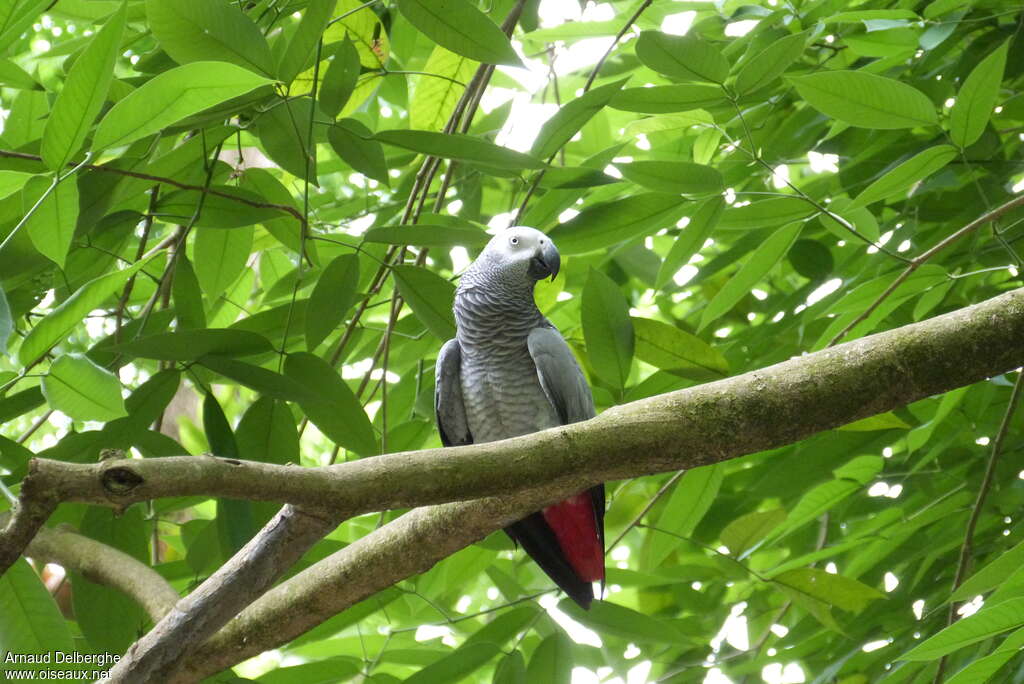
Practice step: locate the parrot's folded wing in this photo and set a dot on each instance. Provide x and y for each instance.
(448, 405)
(560, 375)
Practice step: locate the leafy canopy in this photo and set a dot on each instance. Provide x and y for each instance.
(234, 227)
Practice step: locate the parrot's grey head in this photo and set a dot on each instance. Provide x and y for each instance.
(521, 252)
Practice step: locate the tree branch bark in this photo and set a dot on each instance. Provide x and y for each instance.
(759, 410)
(105, 565)
(752, 412)
(158, 655)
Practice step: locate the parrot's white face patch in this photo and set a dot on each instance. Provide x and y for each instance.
(517, 242)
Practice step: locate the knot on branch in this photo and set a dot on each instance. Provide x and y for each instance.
(120, 480)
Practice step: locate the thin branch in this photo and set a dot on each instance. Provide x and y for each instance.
(167, 181)
(759, 410)
(590, 81)
(918, 261)
(157, 655)
(647, 509)
(967, 549)
(105, 565)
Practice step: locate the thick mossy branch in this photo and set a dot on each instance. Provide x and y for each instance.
(759, 410)
(195, 618)
(103, 564)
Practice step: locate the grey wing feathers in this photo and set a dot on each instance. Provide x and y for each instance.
(560, 375)
(448, 405)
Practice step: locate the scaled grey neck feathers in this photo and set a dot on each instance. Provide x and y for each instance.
(493, 308)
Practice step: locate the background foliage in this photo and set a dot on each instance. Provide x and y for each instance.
(220, 232)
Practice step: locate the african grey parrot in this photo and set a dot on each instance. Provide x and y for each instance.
(509, 372)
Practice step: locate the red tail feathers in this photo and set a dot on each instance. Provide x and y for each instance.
(575, 526)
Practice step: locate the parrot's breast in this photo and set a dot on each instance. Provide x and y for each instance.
(502, 393)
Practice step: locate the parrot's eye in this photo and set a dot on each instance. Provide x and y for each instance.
(513, 241)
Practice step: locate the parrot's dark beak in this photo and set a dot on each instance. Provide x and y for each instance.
(545, 262)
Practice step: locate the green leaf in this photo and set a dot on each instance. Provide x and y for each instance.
(285, 136)
(866, 100)
(332, 297)
(766, 213)
(510, 670)
(171, 96)
(32, 622)
(992, 575)
(764, 258)
(693, 237)
(987, 622)
(12, 182)
(15, 17)
(59, 323)
(260, 379)
(188, 299)
(327, 671)
(504, 627)
(333, 408)
(883, 421)
(687, 58)
(977, 98)
(340, 79)
(552, 661)
(6, 322)
(13, 76)
(302, 47)
(82, 390)
(861, 469)
(767, 65)
(815, 502)
(982, 669)
(612, 619)
(684, 178)
(459, 26)
(108, 618)
(811, 259)
(465, 148)
(457, 665)
(235, 524)
(188, 345)
(607, 328)
(666, 99)
(835, 590)
(603, 225)
(52, 225)
(266, 433)
(860, 15)
(669, 348)
(571, 117)
(84, 92)
(430, 296)
(209, 30)
(424, 235)
(220, 257)
(351, 140)
(689, 501)
(746, 531)
(20, 403)
(439, 89)
(918, 167)
(216, 211)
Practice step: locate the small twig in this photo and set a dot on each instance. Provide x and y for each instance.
(130, 285)
(918, 261)
(590, 81)
(38, 423)
(647, 509)
(167, 181)
(967, 549)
